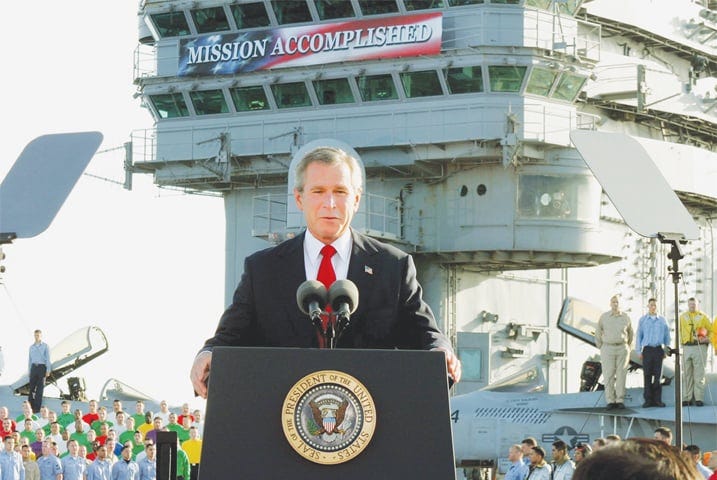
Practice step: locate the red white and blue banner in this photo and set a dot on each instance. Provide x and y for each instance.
(386, 37)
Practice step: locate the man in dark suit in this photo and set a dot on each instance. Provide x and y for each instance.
(391, 312)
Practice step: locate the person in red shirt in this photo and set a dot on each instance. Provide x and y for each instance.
(92, 414)
(185, 413)
(6, 428)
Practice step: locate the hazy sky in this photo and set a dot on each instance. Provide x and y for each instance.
(146, 266)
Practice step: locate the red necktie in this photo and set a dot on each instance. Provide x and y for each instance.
(327, 276)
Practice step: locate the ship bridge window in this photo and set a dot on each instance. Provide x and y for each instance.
(574, 197)
(506, 78)
(372, 7)
(458, 3)
(170, 24)
(170, 105)
(422, 4)
(542, 4)
(210, 20)
(569, 86)
(291, 11)
(209, 102)
(464, 79)
(248, 99)
(506, 2)
(333, 91)
(377, 87)
(332, 9)
(250, 15)
(541, 81)
(291, 95)
(421, 84)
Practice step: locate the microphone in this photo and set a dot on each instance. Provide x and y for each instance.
(343, 297)
(311, 297)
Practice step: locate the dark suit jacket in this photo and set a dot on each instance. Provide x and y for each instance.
(391, 312)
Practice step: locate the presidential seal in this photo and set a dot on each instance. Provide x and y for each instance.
(328, 417)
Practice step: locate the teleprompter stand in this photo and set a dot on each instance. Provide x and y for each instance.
(244, 436)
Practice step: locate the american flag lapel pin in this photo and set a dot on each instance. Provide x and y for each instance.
(368, 269)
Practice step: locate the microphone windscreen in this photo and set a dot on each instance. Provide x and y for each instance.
(311, 291)
(344, 291)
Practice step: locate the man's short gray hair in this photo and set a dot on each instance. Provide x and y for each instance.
(328, 156)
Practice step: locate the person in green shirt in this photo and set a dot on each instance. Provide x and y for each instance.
(183, 469)
(173, 426)
(66, 416)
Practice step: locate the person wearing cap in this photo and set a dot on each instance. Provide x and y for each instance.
(694, 326)
(539, 468)
(582, 450)
(613, 337)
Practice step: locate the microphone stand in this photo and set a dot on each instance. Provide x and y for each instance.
(676, 255)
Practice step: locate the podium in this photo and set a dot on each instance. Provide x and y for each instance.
(394, 423)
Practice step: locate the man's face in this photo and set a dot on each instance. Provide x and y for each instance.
(615, 304)
(102, 452)
(329, 200)
(151, 450)
(25, 452)
(558, 455)
(73, 448)
(157, 423)
(692, 306)
(65, 408)
(93, 406)
(578, 455)
(38, 336)
(535, 458)
(9, 444)
(139, 407)
(6, 425)
(652, 307)
(126, 453)
(513, 455)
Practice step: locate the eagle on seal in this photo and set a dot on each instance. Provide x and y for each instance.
(324, 420)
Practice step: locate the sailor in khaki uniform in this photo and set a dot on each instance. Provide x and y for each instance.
(614, 336)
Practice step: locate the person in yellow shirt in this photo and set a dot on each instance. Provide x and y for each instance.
(193, 449)
(694, 337)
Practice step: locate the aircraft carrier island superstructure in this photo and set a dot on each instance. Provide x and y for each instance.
(460, 112)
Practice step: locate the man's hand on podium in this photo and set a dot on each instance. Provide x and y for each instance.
(200, 373)
(453, 365)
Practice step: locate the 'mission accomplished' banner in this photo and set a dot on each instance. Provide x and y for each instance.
(223, 54)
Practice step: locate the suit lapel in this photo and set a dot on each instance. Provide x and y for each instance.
(290, 257)
(362, 268)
